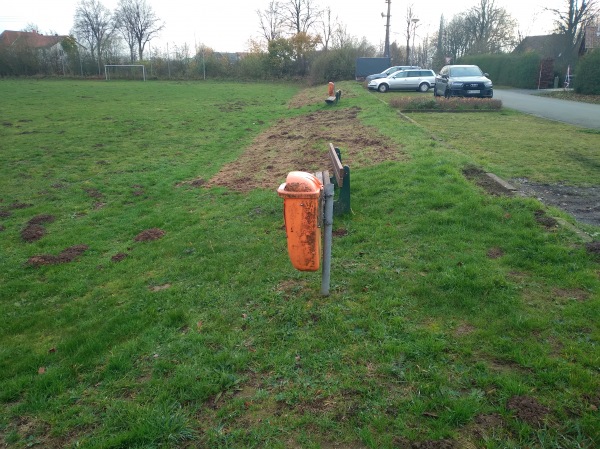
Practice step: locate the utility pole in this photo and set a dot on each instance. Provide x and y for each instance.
(386, 51)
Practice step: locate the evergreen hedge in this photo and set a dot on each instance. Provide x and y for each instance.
(588, 74)
(521, 71)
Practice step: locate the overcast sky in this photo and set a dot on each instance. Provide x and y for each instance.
(228, 25)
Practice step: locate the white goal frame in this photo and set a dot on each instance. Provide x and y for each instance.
(124, 65)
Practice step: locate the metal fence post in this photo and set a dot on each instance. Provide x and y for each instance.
(327, 238)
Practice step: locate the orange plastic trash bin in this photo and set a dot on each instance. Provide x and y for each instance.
(301, 195)
(331, 89)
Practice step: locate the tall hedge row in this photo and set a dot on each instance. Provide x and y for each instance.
(587, 74)
(520, 71)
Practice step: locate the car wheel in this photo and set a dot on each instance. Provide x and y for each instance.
(383, 88)
(423, 87)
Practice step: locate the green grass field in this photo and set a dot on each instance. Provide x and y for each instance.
(139, 310)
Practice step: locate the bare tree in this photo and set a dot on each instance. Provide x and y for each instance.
(271, 21)
(491, 29)
(572, 20)
(327, 27)
(138, 24)
(341, 38)
(94, 25)
(300, 15)
(411, 27)
(456, 38)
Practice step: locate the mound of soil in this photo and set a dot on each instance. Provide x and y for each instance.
(301, 143)
(33, 232)
(41, 219)
(34, 229)
(528, 409)
(118, 257)
(67, 255)
(149, 234)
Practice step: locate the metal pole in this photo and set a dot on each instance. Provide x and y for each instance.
(386, 50)
(327, 238)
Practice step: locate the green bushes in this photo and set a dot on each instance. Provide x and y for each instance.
(588, 74)
(333, 65)
(509, 70)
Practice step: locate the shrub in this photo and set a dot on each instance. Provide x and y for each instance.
(588, 74)
(509, 69)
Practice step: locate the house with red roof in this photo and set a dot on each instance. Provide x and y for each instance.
(32, 40)
(30, 53)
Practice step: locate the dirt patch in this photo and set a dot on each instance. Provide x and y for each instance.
(149, 234)
(593, 248)
(339, 232)
(486, 425)
(583, 203)
(479, 177)
(198, 182)
(67, 255)
(118, 257)
(464, 329)
(574, 294)
(528, 409)
(158, 288)
(41, 219)
(93, 193)
(544, 220)
(495, 253)
(17, 205)
(32, 232)
(404, 443)
(301, 143)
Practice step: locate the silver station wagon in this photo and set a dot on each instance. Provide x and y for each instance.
(413, 79)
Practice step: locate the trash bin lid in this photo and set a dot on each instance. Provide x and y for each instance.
(299, 184)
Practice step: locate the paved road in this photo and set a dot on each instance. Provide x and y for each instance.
(585, 115)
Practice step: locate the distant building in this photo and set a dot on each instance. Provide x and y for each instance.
(31, 53)
(592, 37)
(33, 40)
(548, 46)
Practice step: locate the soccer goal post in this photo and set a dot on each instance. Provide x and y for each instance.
(124, 71)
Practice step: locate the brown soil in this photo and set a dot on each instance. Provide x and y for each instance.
(41, 219)
(67, 255)
(479, 177)
(593, 248)
(583, 203)
(118, 257)
(404, 443)
(33, 232)
(149, 234)
(301, 143)
(528, 409)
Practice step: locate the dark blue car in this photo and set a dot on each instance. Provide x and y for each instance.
(463, 81)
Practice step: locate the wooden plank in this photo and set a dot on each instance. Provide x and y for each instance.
(338, 169)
